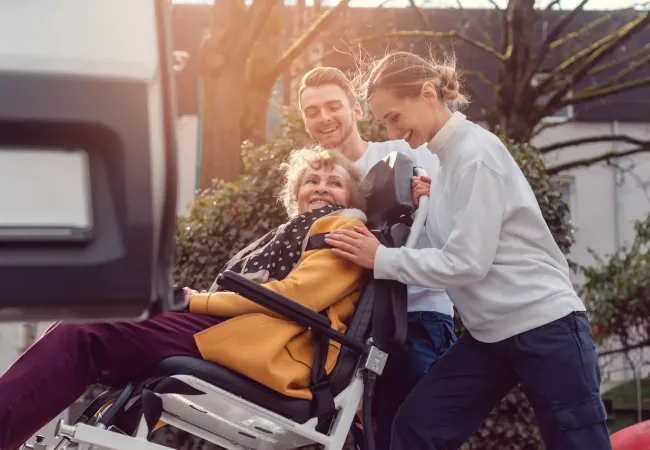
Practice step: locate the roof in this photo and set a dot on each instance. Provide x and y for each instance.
(624, 395)
(190, 21)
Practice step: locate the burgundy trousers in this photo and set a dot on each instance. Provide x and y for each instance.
(59, 367)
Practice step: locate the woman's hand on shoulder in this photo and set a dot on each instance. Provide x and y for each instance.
(358, 245)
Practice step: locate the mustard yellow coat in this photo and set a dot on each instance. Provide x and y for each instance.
(263, 346)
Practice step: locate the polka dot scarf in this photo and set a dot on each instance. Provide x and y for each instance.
(274, 255)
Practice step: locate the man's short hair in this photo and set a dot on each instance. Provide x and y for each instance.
(321, 76)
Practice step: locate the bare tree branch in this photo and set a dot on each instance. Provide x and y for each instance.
(560, 26)
(625, 348)
(638, 64)
(508, 31)
(586, 162)
(480, 76)
(550, 43)
(582, 31)
(604, 45)
(633, 57)
(473, 22)
(493, 3)
(592, 140)
(550, 6)
(256, 17)
(588, 61)
(543, 126)
(591, 94)
(423, 18)
(304, 41)
(435, 35)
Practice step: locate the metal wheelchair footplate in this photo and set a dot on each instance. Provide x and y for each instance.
(38, 445)
(87, 437)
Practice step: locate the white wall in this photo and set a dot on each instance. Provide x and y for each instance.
(597, 190)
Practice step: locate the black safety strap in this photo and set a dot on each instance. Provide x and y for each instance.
(389, 315)
(317, 241)
(322, 404)
(389, 322)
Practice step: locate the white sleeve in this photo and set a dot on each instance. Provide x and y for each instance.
(477, 205)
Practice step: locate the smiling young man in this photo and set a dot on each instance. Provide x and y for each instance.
(330, 111)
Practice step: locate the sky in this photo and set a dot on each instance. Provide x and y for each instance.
(566, 4)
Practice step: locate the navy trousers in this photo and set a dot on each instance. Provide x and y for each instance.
(556, 365)
(430, 334)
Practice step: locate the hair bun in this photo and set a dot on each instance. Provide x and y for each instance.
(449, 84)
(405, 73)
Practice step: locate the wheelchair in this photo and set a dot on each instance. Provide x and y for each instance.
(223, 407)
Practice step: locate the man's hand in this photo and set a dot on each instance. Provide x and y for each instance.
(189, 293)
(420, 186)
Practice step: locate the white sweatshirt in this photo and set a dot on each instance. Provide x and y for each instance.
(419, 298)
(492, 250)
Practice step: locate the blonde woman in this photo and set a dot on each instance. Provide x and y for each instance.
(495, 256)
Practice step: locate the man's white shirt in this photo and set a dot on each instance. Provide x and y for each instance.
(420, 298)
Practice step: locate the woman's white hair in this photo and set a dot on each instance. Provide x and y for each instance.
(316, 157)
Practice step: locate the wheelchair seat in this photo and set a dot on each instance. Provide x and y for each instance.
(298, 410)
(228, 409)
(293, 408)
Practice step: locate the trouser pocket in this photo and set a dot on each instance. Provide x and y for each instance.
(580, 425)
(429, 336)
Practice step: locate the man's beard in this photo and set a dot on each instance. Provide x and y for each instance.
(348, 129)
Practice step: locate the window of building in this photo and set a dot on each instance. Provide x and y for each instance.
(566, 186)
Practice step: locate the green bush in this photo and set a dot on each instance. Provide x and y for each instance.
(229, 216)
(617, 291)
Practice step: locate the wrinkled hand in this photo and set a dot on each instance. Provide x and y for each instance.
(189, 293)
(358, 245)
(420, 186)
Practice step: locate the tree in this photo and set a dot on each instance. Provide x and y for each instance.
(240, 63)
(537, 60)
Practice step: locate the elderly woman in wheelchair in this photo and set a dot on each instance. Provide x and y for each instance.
(270, 367)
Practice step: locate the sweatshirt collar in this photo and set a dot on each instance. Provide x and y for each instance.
(437, 144)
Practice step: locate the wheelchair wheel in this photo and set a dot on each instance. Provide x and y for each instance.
(92, 412)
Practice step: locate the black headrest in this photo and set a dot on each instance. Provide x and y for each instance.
(390, 195)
